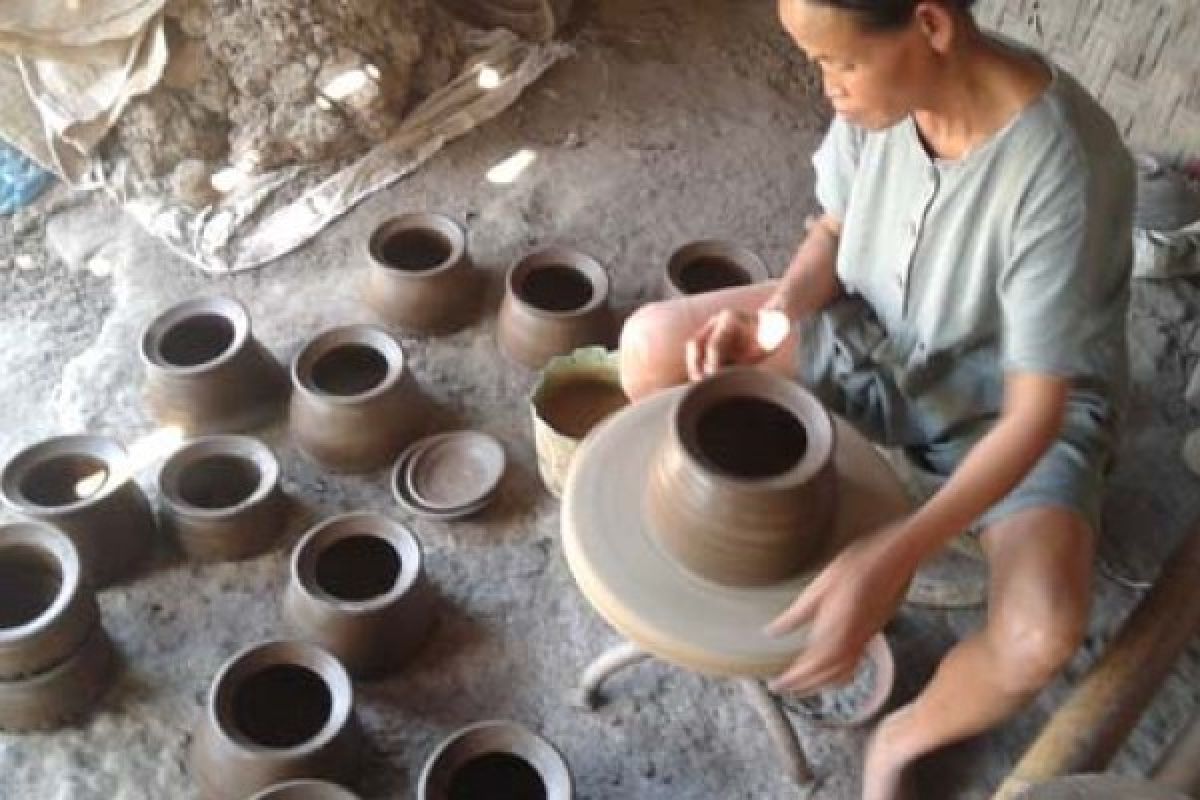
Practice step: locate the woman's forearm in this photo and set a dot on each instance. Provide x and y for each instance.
(810, 282)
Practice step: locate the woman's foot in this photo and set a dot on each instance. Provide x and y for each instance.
(886, 764)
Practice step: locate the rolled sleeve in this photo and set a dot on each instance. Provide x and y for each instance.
(836, 164)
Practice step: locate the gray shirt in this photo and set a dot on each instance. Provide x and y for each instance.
(1016, 257)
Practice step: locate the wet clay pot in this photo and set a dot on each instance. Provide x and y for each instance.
(276, 712)
(221, 498)
(305, 790)
(205, 371)
(555, 302)
(743, 489)
(47, 608)
(419, 276)
(358, 589)
(355, 404)
(573, 394)
(711, 265)
(495, 759)
(84, 486)
(60, 694)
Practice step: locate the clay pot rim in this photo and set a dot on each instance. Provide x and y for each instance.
(746, 259)
(62, 551)
(371, 336)
(216, 305)
(253, 659)
(558, 256)
(425, 221)
(245, 448)
(324, 534)
(463, 745)
(101, 448)
(281, 790)
(752, 382)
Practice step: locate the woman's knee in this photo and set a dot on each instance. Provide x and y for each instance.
(645, 338)
(1030, 652)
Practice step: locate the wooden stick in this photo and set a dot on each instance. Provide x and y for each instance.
(1086, 732)
(1180, 767)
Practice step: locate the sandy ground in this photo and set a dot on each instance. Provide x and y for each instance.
(673, 121)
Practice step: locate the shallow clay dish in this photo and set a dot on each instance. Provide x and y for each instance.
(709, 266)
(657, 603)
(495, 759)
(455, 471)
(869, 701)
(403, 496)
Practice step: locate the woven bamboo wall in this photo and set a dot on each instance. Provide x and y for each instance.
(1140, 57)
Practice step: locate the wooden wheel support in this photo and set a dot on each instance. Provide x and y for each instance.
(1180, 766)
(1089, 729)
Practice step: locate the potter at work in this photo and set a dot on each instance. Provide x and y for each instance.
(963, 297)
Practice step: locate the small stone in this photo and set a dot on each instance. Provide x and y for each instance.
(1191, 452)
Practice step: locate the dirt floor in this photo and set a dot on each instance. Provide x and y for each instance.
(673, 121)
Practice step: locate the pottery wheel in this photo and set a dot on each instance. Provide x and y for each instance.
(656, 603)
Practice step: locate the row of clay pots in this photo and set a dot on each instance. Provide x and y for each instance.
(280, 721)
(55, 658)
(206, 372)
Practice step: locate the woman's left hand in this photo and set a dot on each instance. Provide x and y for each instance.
(847, 604)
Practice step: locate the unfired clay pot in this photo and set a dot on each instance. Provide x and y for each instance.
(306, 790)
(205, 371)
(495, 759)
(84, 486)
(221, 498)
(355, 404)
(555, 301)
(60, 694)
(743, 490)
(276, 712)
(419, 275)
(710, 265)
(47, 608)
(358, 588)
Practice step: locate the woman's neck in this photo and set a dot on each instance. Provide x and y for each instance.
(986, 85)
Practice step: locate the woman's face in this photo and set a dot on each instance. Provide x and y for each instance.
(873, 79)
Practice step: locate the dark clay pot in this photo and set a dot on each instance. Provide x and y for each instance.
(496, 759)
(221, 498)
(306, 790)
(276, 712)
(60, 694)
(419, 276)
(358, 588)
(709, 266)
(555, 302)
(743, 489)
(47, 608)
(84, 486)
(355, 404)
(205, 371)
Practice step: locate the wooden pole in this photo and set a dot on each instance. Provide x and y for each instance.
(1180, 767)
(1086, 732)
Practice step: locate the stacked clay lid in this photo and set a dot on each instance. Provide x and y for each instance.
(449, 476)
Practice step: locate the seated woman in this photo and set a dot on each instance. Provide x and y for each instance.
(962, 297)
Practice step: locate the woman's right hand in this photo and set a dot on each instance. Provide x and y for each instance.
(729, 338)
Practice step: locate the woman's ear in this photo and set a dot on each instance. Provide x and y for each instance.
(938, 24)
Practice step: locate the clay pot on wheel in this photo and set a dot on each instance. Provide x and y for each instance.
(495, 759)
(743, 490)
(305, 790)
(555, 301)
(419, 275)
(355, 404)
(205, 371)
(84, 486)
(221, 498)
(711, 265)
(358, 588)
(276, 712)
(55, 658)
